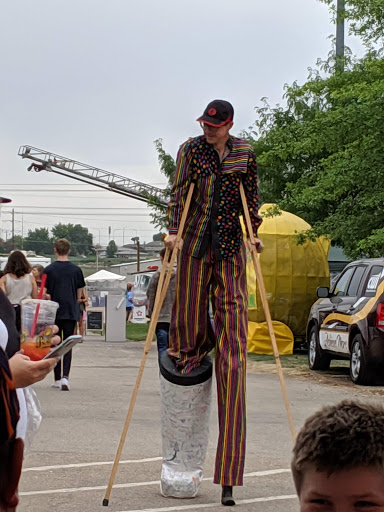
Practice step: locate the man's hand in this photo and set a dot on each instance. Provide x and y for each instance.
(170, 242)
(26, 372)
(257, 244)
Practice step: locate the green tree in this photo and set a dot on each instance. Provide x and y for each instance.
(15, 243)
(39, 240)
(111, 249)
(366, 19)
(168, 168)
(322, 158)
(79, 237)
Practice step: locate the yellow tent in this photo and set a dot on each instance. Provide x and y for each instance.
(291, 274)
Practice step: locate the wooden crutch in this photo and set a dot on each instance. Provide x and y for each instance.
(159, 299)
(264, 300)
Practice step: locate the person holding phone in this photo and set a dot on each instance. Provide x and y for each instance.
(17, 371)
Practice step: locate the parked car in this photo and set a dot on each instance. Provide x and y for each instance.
(347, 322)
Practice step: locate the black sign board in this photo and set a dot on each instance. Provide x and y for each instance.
(95, 320)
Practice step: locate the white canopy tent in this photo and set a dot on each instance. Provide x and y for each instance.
(104, 275)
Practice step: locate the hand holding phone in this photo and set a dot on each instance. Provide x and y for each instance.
(64, 347)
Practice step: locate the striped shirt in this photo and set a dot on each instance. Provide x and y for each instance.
(216, 202)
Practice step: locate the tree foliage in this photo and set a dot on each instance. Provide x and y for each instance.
(322, 158)
(168, 168)
(111, 249)
(39, 241)
(13, 243)
(79, 237)
(366, 19)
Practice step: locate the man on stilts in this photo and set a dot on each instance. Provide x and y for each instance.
(212, 265)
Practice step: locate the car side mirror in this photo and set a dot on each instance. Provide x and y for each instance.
(322, 292)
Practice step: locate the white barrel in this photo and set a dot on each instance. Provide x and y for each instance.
(185, 416)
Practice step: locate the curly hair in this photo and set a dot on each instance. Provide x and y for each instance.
(17, 264)
(342, 436)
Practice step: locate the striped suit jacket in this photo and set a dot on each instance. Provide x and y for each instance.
(216, 192)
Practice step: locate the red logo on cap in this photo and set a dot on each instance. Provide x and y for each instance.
(212, 112)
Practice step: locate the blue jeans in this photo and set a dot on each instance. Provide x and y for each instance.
(162, 330)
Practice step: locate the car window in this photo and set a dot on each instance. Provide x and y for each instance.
(341, 285)
(373, 280)
(354, 285)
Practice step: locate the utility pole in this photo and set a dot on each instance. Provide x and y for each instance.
(22, 231)
(136, 240)
(340, 37)
(138, 254)
(13, 228)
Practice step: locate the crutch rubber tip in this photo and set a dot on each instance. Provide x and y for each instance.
(105, 502)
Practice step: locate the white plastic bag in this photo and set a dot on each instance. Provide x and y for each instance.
(33, 416)
(185, 431)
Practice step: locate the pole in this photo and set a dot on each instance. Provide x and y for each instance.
(340, 36)
(97, 259)
(138, 254)
(264, 300)
(22, 231)
(160, 294)
(13, 228)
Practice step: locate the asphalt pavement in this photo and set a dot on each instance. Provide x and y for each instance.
(69, 464)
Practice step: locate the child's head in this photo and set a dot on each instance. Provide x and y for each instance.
(37, 271)
(338, 459)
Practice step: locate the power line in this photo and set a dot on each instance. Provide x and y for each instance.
(74, 208)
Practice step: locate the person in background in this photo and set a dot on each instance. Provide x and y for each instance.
(65, 284)
(164, 320)
(17, 283)
(128, 303)
(83, 303)
(37, 272)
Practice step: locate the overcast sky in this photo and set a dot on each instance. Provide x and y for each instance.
(99, 81)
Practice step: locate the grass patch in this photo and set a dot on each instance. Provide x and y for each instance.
(287, 361)
(136, 332)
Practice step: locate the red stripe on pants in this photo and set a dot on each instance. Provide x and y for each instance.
(192, 335)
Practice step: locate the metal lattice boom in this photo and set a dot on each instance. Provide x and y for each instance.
(47, 161)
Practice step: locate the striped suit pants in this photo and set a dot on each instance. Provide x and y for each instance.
(192, 335)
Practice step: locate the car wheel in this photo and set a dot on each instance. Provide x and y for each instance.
(360, 371)
(317, 358)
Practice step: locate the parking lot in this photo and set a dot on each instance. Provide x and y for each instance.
(70, 462)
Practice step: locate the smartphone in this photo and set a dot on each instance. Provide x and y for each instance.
(64, 347)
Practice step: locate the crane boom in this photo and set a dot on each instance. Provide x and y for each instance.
(46, 161)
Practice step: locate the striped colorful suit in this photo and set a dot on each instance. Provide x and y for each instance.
(212, 265)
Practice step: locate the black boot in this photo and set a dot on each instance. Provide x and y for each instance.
(226, 496)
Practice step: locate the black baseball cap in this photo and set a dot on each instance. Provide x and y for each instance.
(5, 200)
(218, 113)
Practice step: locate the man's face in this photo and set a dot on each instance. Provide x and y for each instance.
(216, 135)
(354, 490)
